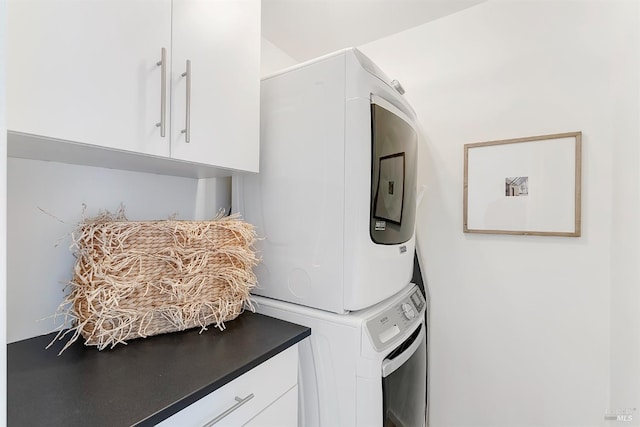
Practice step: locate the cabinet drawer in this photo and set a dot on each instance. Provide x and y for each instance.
(281, 413)
(244, 397)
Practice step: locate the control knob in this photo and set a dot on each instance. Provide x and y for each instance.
(408, 311)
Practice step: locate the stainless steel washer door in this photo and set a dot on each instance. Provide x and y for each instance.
(404, 383)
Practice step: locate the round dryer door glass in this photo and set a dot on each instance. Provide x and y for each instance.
(393, 177)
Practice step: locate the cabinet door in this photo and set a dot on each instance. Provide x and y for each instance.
(221, 39)
(86, 71)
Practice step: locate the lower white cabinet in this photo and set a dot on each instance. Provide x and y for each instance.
(265, 396)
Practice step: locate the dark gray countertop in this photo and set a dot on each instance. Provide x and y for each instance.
(141, 383)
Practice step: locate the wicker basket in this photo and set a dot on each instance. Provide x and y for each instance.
(137, 279)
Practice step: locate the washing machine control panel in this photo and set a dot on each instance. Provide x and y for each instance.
(401, 316)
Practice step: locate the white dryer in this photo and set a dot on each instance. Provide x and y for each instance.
(362, 369)
(334, 202)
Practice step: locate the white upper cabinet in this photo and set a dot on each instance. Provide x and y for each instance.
(90, 72)
(85, 71)
(221, 41)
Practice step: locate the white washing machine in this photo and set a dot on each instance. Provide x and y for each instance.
(366, 368)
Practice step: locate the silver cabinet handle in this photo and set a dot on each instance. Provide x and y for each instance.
(239, 402)
(163, 91)
(187, 128)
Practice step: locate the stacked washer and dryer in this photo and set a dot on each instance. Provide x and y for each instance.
(335, 204)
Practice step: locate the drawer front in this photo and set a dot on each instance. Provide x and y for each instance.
(281, 413)
(239, 401)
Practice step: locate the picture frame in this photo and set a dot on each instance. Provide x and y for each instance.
(524, 186)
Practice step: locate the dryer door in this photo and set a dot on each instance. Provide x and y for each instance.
(393, 174)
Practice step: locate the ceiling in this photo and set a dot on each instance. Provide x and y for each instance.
(305, 29)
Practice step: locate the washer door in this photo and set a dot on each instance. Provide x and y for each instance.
(404, 383)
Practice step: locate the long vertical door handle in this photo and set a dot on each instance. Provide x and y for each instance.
(163, 91)
(187, 128)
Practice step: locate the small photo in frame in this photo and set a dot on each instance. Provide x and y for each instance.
(527, 186)
(516, 186)
(389, 198)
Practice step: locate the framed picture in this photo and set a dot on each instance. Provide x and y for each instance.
(389, 198)
(528, 186)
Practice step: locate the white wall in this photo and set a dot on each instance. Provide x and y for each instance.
(45, 203)
(272, 58)
(526, 330)
(3, 213)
